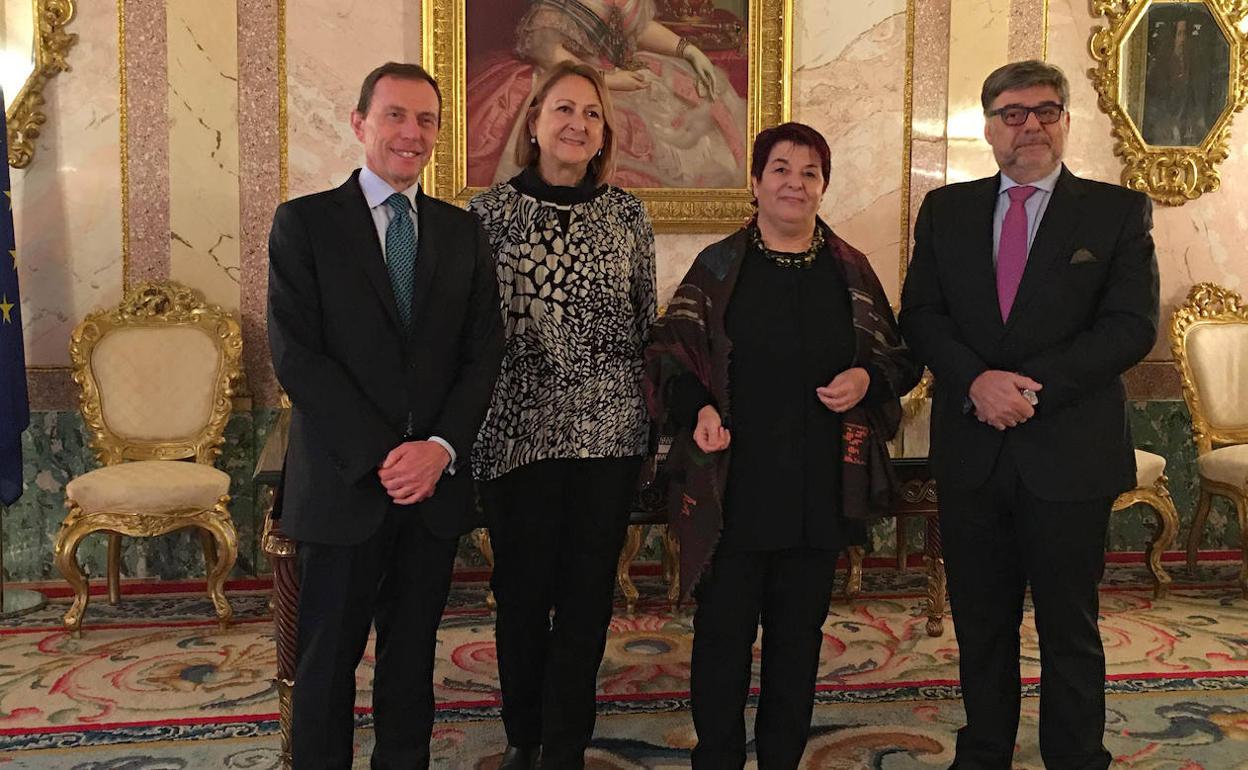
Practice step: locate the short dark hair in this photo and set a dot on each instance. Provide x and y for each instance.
(1024, 74)
(402, 71)
(800, 135)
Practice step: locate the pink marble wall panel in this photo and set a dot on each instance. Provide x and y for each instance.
(147, 205)
(259, 193)
(51, 388)
(930, 103)
(1027, 29)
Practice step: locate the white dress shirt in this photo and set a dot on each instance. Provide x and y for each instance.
(376, 191)
(1035, 207)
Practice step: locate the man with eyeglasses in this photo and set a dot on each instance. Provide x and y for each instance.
(1029, 294)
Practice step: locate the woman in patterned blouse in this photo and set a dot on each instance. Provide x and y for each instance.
(561, 447)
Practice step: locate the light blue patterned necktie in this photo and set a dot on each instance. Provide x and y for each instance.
(401, 254)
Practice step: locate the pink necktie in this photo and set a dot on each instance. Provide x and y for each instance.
(1012, 251)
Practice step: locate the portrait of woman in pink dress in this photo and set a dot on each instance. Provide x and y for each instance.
(681, 113)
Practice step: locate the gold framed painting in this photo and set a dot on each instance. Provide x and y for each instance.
(692, 81)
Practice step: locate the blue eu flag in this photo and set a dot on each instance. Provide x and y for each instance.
(14, 406)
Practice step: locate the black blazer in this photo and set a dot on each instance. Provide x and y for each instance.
(1086, 311)
(352, 375)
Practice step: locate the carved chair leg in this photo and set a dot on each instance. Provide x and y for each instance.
(853, 583)
(114, 568)
(1167, 529)
(282, 555)
(903, 549)
(1241, 508)
(221, 530)
(285, 699)
(66, 561)
(632, 546)
(671, 567)
(1198, 527)
(481, 539)
(209, 547)
(937, 595)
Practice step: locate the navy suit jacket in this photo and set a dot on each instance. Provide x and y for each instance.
(356, 380)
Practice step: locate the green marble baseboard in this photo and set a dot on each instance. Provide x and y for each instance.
(54, 451)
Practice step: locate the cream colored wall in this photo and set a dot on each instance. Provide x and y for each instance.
(327, 58)
(67, 204)
(980, 30)
(202, 46)
(1202, 240)
(849, 81)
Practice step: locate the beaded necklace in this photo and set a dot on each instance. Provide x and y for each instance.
(803, 260)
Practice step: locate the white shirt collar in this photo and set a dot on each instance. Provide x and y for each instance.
(376, 190)
(1047, 183)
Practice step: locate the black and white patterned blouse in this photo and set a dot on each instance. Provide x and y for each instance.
(576, 280)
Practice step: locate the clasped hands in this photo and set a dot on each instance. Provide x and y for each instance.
(999, 401)
(840, 395)
(411, 470)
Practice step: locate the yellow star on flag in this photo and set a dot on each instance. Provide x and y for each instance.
(5, 308)
(9, 194)
(13, 254)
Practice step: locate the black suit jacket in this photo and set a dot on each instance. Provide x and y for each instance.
(1085, 312)
(355, 380)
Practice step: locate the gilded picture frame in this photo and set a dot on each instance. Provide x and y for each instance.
(764, 57)
(1171, 163)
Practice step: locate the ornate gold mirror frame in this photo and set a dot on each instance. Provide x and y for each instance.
(51, 46)
(1169, 174)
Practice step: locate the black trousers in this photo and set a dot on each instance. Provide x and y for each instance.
(557, 527)
(399, 579)
(789, 591)
(997, 540)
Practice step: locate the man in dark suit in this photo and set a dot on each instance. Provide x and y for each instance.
(1029, 294)
(385, 329)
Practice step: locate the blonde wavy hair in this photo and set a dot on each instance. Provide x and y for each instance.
(602, 165)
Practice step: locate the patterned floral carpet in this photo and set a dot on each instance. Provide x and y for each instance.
(152, 684)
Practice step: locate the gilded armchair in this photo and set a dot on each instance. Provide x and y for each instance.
(1209, 339)
(156, 375)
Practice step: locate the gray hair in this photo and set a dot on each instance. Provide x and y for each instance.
(1024, 74)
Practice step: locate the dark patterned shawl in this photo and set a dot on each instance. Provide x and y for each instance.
(691, 337)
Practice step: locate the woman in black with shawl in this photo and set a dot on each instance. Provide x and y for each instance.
(780, 349)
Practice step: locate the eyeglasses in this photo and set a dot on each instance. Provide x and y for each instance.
(1016, 114)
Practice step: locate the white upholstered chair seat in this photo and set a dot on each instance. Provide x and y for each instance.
(1148, 468)
(149, 487)
(1228, 465)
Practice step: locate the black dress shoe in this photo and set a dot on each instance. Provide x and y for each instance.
(519, 758)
